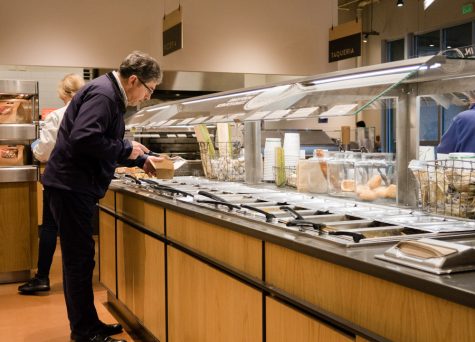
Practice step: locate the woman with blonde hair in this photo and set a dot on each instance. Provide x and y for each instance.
(42, 149)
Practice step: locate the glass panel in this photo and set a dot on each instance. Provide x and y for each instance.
(448, 115)
(429, 120)
(395, 50)
(458, 36)
(428, 43)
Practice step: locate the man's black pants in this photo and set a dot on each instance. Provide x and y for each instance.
(73, 213)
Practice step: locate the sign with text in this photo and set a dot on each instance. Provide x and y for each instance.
(172, 32)
(345, 41)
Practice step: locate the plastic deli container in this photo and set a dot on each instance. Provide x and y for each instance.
(375, 177)
(341, 174)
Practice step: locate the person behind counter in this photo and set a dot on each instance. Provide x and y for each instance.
(460, 137)
(89, 146)
(42, 148)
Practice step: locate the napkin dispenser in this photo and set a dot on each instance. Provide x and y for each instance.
(431, 255)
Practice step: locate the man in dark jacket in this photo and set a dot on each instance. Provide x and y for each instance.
(460, 137)
(89, 146)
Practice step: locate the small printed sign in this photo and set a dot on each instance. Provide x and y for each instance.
(345, 41)
(172, 32)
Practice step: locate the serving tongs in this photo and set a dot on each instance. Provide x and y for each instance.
(136, 180)
(216, 200)
(155, 185)
(301, 223)
(269, 216)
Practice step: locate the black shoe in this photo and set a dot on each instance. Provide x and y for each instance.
(100, 338)
(35, 284)
(104, 330)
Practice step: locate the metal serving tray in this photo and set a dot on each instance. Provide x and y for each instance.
(433, 255)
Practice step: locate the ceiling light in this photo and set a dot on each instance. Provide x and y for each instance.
(400, 3)
(365, 38)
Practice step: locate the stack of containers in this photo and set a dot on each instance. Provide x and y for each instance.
(291, 149)
(269, 157)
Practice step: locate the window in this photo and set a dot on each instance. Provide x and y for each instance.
(457, 36)
(395, 50)
(427, 44)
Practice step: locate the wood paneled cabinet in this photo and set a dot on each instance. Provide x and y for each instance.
(207, 305)
(18, 227)
(141, 277)
(107, 251)
(284, 324)
(195, 281)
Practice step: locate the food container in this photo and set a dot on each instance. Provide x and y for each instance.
(375, 178)
(312, 175)
(15, 111)
(11, 155)
(341, 174)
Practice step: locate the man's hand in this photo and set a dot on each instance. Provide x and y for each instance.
(137, 150)
(149, 166)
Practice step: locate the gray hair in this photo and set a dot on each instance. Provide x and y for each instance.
(144, 66)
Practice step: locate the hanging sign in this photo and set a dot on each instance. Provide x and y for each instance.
(172, 32)
(345, 41)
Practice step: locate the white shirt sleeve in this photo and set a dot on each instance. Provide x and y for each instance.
(43, 147)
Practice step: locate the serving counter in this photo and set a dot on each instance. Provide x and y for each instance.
(182, 272)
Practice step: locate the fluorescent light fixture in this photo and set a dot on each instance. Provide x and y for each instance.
(427, 3)
(225, 96)
(368, 74)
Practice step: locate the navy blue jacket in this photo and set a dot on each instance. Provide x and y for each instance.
(90, 142)
(460, 137)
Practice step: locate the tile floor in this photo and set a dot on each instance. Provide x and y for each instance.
(43, 318)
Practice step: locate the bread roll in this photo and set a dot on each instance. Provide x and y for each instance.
(391, 191)
(381, 191)
(374, 182)
(368, 195)
(348, 185)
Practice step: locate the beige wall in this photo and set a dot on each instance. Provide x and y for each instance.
(288, 37)
(395, 22)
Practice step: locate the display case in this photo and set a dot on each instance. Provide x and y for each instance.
(324, 102)
(18, 179)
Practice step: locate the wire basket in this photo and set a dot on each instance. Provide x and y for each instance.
(223, 161)
(286, 175)
(446, 187)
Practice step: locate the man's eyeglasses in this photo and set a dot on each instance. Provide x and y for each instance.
(150, 90)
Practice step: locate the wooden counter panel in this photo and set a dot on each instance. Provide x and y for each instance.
(286, 324)
(18, 226)
(141, 277)
(390, 310)
(237, 250)
(149, 215)
(107, 243)
(207, 305)
(108, 200)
